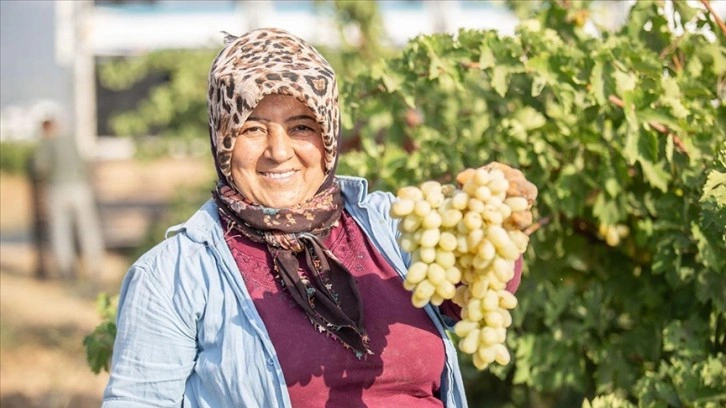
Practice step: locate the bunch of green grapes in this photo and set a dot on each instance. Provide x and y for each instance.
(613, 233)
(464, 243)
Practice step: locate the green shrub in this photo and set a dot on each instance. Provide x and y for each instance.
(625, 131)
(15, 157)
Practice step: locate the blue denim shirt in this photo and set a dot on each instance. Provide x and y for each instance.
(190, 336)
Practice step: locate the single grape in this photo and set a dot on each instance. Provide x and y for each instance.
(417, 272)
(517, 203)
(421, 208)
(424, 290)
(411, 193)
(446, 289)
(447, 241)
(402, 207)
(436, 274)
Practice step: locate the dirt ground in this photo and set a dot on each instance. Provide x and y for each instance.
(42, 360)
(43, 323)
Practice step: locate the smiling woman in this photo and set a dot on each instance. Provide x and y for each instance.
(286, 289)
(277, 159)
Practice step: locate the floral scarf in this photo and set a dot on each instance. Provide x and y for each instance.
(249, 67)
(328, 295)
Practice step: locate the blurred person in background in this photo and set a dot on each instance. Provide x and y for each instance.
(70, 203)
(286, 288)
(39, 213)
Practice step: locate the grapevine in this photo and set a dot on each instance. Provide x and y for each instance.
(464, 241)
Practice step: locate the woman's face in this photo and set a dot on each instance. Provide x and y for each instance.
(277, 160)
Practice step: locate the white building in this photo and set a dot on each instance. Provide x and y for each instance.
(74, 33)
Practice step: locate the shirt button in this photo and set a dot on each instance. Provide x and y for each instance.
(270, 361)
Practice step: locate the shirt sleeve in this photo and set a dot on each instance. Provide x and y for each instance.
(155, 347)
(513, 283)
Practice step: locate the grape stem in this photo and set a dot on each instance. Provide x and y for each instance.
(537, 225)
(655, 125)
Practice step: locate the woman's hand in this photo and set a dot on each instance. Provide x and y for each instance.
(519, 186)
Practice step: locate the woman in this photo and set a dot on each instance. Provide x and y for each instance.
(286, 288)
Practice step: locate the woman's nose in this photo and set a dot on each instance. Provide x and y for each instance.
(279, 144)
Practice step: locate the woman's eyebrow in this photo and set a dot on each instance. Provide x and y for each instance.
(290, 119)
(300, 117)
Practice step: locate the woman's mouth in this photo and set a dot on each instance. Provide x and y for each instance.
(278, 174)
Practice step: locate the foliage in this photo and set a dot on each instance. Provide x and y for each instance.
(173, 109)
(99, 343)
(608, 401)
(15, 157)
(626, 130)
(355, 53)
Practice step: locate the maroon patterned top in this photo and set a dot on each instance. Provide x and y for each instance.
(405, 369)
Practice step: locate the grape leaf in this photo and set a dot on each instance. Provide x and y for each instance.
(655, 174)
(499, 79)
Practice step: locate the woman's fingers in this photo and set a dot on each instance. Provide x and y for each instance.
(519, 186)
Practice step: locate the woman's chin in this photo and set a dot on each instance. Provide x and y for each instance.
(282, 200)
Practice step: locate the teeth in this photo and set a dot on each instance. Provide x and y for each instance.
(279, 175)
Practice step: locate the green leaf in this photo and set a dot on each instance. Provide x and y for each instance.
(713, 373)
(500, 76)
(597, 84)
(715, 188)
(711, 252)
(571, 190)
(694, 67)
(629, 109)
(686, 12)
(392, 82)
(712, 219)
(606, 210)
(667, 393)
(538, 84)
(624, 81)
(630, 149)
(669, 149)
(486, 58)
(717, 53)
(608, 401)
(655, 174)
(612, 186)
(530, 118)
(685, 338)
(99, 346)
(658, 116)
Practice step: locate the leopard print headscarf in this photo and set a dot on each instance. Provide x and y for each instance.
(272, 61)
(264, 62)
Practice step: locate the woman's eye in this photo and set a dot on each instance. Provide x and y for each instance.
(301, 130)
(253, 130)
